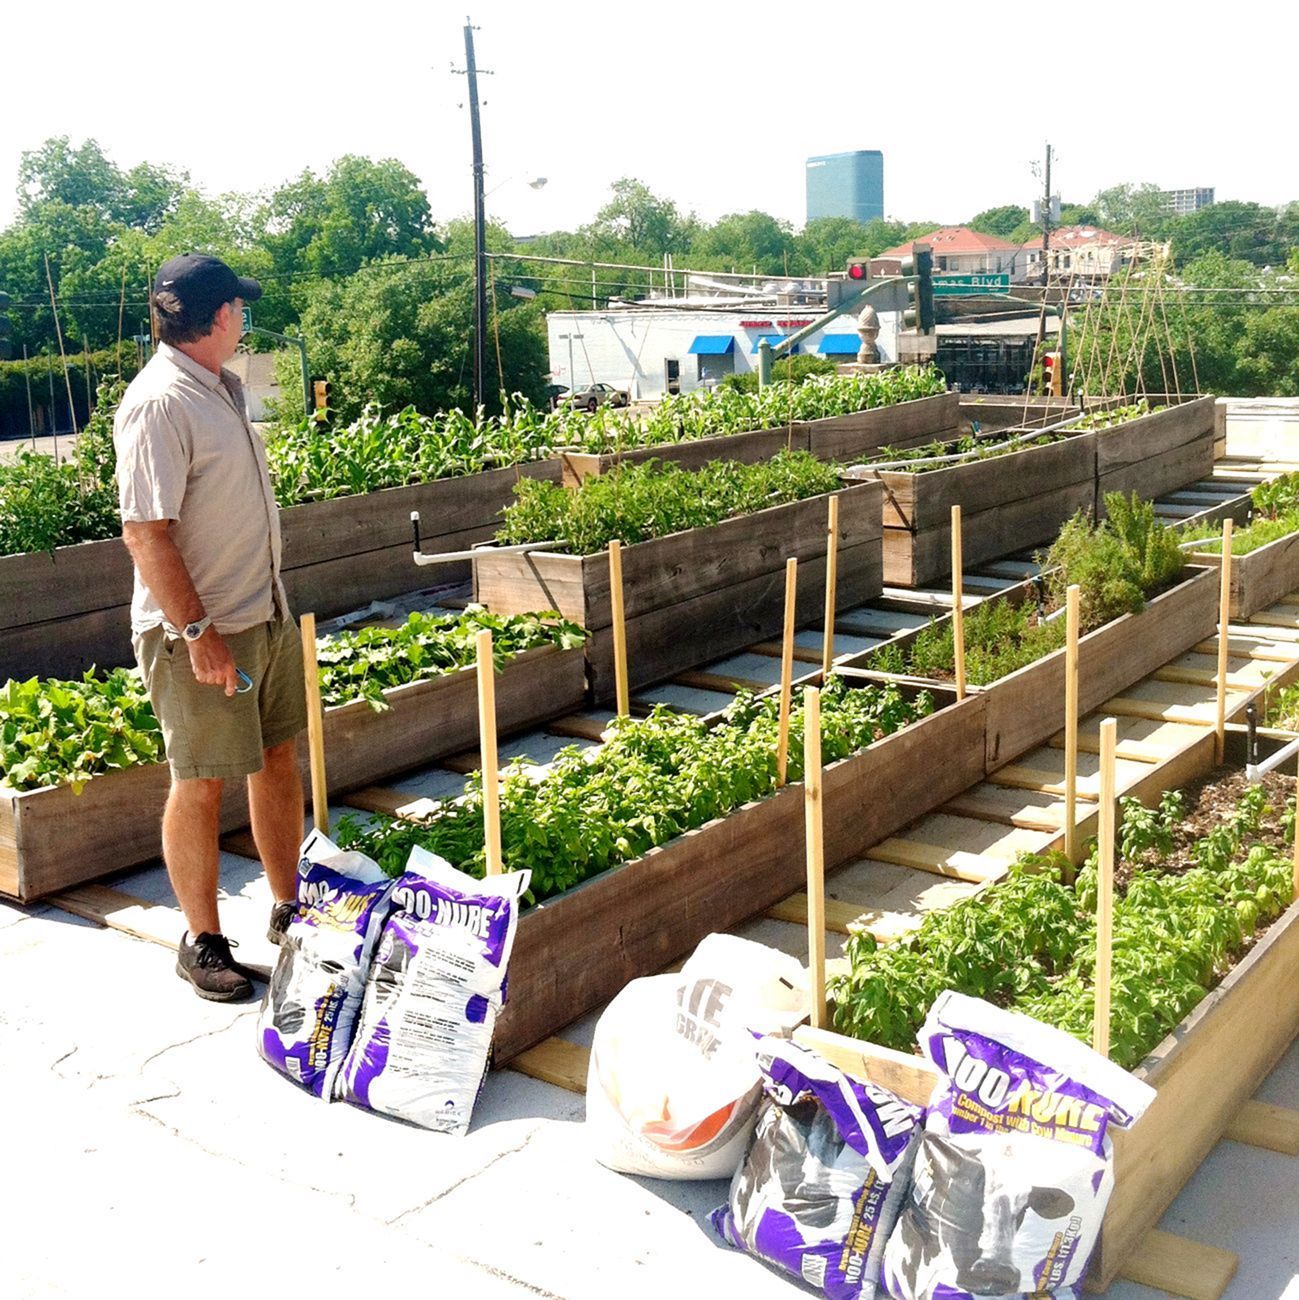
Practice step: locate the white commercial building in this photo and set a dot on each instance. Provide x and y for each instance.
(658, 350)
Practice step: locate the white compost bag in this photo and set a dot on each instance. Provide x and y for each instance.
(1014, 1169)
(674, 1082)
(309, 1013)
(433, 993)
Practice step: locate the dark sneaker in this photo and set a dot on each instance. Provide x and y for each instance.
(210, 968)
(281, 915)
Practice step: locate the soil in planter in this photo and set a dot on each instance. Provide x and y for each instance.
(1200, 880)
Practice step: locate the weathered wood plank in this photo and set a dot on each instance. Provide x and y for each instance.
(1203, 1073)
(556, 1061)
(1180, 1266)
(1264, 577)
(1262, 1124)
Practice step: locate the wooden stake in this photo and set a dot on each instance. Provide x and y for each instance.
(1071, 726)
(831, 582)
(622, 690)
(1295, 897)
(315, 727)
(1224, 623)
(786, 669)
(58, 331)
(487, 753)
(1105, 890)
(815, 855)
(958, 603)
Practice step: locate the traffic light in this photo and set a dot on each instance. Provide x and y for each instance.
(6, 347)
(320, 390)
(1052, 374)
(918, 268)
(859, 270)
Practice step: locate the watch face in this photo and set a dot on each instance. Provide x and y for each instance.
(192, 632)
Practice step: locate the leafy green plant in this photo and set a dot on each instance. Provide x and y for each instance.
(652, 780)
(1114, 415)
(1117, 563)
(1029, 942)
(366, 663)
(968, 448)
(635, 502)
(65, 732)
(1275, 515)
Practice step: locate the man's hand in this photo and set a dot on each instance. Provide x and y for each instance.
(212, 661)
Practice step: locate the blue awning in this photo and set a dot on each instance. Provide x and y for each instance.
(773, 339)
(840, 345)
(712, 345)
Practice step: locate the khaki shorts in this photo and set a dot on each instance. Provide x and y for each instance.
(209, 734)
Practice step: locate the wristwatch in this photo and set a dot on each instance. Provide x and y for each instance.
(192, 631)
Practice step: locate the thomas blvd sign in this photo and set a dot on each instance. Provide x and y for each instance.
(966, 286)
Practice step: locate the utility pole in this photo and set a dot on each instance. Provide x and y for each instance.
(480, 223)
(1046, 220)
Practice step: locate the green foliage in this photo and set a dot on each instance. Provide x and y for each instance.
(968, 448)
(1117, 563)
(635, 502)
(1115, 415)
(653, 780)
(1000, 638)
(366, 663)
(63, 733)
(788, 370)
(1029, 942)
(1002, 221)
(46, 503)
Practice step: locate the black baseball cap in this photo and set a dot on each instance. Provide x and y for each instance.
(204, 283)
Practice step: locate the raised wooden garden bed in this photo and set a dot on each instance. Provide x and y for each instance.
(1007, 502)
(575, 952)
(699, 594)
(837, 438)
(1156, 453)
(1260, 578)
(1203, 1073)
(1026, 707)
(64, 611)
(52, 838)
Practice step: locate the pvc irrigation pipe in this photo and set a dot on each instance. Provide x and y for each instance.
(474, 553)
(878, 465)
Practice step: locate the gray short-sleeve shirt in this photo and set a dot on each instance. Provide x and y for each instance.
(185, 451)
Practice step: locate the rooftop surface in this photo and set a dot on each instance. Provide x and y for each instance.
(148, 1144)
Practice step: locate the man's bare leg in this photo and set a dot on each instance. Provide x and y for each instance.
(276, 804)
(190, 826)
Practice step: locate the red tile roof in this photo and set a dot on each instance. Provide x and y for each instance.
(1081, 237)
(953, 241)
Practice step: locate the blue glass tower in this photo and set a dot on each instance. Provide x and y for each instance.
(846, 185)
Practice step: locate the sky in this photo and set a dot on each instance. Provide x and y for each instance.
(714, 105)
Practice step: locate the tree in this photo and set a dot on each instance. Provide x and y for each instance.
(637, 220)
(1134, 210)
(1247, 232)
(1001, 221)
(399, 332)
(742, 241)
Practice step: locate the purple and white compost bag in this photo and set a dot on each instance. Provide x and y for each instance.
(1014, 1171)
(825, 1174)
(433, 993)
(310, 1009)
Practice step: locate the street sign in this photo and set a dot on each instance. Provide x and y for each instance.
(968, 286)
(248, 319)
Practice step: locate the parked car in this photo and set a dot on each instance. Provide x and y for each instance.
(594, 395)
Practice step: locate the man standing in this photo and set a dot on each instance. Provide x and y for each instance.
(210, 623)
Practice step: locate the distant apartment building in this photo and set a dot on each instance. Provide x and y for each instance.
(1182, 202)
(846, 185)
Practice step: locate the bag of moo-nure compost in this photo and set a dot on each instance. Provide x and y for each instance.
(824, 1176)
(1013, 1172)
(307, 1017)
(432, 995)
